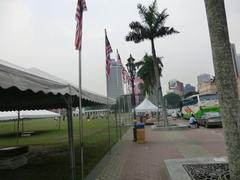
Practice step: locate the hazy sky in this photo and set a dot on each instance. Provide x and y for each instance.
(40, 34)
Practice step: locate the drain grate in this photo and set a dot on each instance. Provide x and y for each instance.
(214, 171)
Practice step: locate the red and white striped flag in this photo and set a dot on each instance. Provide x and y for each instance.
(119, 61)
(123, 70)
(108, 52)
(81, 7)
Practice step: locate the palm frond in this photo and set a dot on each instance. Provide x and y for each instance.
(165, 31)
(138, 64)
(152, 25)
(138, 27)
(172, 31)
(138, 33)
(135, 37)
(159, 60)
(146, 72)
(153, 7)
(160, 19)
(142, 10)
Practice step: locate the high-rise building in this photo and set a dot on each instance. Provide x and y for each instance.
(204, 78)
(234, 58)
(189, 88)
(238, 63)
(238, 78)
(208, 87)
(115, 84)
(205, 84)
(176, 87)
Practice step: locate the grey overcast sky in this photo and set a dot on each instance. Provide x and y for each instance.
(40, 34)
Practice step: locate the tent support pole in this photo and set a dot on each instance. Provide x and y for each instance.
(22, 127)
(14, 126)
(18, 124)
(59, 123)
(70, 138)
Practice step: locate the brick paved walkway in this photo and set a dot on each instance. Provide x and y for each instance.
(131, 161)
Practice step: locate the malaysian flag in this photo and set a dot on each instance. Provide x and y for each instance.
(123, 70)
(81, 7)
(108, 52)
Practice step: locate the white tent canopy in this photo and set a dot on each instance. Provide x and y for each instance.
(10, 115)
(146, 106)
(24, 89)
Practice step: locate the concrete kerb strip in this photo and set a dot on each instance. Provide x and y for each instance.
(176, 171)
(178, 126)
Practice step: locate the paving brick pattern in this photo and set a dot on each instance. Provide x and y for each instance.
(131, 161)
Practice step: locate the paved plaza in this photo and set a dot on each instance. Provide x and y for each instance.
(131, 161)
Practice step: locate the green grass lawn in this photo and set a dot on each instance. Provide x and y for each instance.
(48, 158)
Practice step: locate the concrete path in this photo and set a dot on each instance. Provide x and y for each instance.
(131, 161)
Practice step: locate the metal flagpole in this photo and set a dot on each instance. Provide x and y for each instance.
(108, 109)
(116, 118)
(81, 7)
(108, 121)
(124, 108)
(80, 116)
(117, 72)
(120, 120)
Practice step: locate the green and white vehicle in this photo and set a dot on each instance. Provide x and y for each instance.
(199, 104)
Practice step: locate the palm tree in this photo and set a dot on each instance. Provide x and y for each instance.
(146, 73)
(226, 82)
(152, 27)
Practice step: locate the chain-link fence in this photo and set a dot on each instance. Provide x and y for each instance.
(46, 142)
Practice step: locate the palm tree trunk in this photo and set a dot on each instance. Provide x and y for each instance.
(226, 82)
(158, 84)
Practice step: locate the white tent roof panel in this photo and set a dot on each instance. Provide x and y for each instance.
(10, 115)
(146, 106)
(43, 89)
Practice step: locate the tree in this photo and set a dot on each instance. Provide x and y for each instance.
(226, 82)
(173, 100)
(152, 27)
(146, 73)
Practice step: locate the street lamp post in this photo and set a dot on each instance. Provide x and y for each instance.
(132, 71)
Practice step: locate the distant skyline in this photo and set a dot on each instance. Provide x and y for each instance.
(41, 34)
